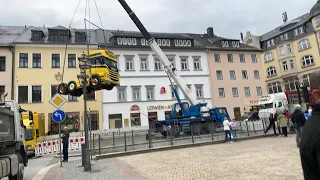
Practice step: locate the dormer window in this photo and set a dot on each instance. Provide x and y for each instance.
(224, 43)
(80, 37)
(59, 35)
(36, 35)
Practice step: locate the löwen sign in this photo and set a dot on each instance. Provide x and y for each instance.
(159, 107)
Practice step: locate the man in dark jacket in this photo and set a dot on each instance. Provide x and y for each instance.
(298, 120)
(310, 140)
(65, 142)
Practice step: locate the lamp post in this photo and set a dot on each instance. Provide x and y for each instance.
(84, 64)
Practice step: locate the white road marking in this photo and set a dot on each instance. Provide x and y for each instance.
(40, 175)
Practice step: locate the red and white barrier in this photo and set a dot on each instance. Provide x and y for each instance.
(53, 146)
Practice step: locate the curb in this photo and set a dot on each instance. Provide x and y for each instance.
(165, 148)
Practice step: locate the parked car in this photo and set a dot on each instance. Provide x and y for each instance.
(250, 116)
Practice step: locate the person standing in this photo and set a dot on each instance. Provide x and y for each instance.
(283, 122)
(226, 128)
(310, 139)
(271, 124)
(65, 142)
(276, 121)
(234, 127)
(298, 120)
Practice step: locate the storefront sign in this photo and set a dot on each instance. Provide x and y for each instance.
(159, 107)
(251, 102)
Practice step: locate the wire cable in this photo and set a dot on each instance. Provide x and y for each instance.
(104, 36)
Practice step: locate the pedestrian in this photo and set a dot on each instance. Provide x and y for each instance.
(271, 124)
(283, 123)
(276, 121)
(298, 121)
(65, 142)
(226, 128)
(234, 127)
(309, 145)
(306, 114)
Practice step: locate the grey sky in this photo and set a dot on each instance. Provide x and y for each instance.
(227, 17)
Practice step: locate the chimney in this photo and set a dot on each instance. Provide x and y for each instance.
(241, 35)
(210, 32)
(284, 17)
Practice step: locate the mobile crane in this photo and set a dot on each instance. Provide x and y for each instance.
(183, 114)
(13, 153)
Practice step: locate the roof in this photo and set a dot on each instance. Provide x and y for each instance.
(291, 25)
(315, 10)
(8, 34)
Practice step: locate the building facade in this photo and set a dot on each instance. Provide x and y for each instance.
(145, 92)
(291, 51)
(40, 65)
(235, 73)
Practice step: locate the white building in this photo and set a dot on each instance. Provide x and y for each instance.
(142, 78)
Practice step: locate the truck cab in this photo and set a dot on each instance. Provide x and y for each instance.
(269, 104)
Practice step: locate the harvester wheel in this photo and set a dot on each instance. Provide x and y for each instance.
(72, 86)
(63, 89)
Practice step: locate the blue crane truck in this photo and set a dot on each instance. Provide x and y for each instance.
(184, 115)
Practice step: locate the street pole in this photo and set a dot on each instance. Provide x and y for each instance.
(60, 144)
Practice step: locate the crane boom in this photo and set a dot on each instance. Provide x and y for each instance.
(168, 67)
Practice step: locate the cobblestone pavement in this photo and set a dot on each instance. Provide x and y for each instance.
(275, 158)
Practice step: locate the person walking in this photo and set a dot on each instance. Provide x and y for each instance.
(234, 127)
(271, 124)
(310, 139)
(226, 128)
(283, 123)
(298, 120)
(276, 121)
(65, 142)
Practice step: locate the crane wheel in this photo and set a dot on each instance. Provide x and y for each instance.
(72, 86)
(62, 89)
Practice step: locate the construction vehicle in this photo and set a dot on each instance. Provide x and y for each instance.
(102, 74)
(184, 115)
(13, 156)
(35, 128)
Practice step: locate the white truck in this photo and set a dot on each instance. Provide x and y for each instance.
(271, 103)
(13, 156)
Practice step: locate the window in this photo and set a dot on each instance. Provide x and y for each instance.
(94, 119)
(72, 61)
(171, 59)
(219, 75)
(307, 61)
(281, 37)
(281, 50)
(184, 63)
(300, 30)
(242, 58)
(55, 60)
(235, 92)
(72, 98)
(230, 58)
(189, 86)
(129, 62)
(247, 91)
(284, 66)
(303, 44)
(272, 42)
(23, 94)
(221, 92)
(136, 93)
(36, 94)
(217, 58)
(259, 91)
(291, 64)
(36, 60)
(285, 36)
(91, 96)
(36, 35)
(53, 35)
(122, 95)
(172, 92)
(2, 64)
(289, 48)
(244, 74)
(80, 36)
(254, 58)
(196, 63)
(268, 44)
(54, 90)
(199, 90)
(2, 90)
(157, 64)
(144, 63)
(317, 18)
(296, 32)
(256, 74)
(268, 57)
(232, 74)
(271, 71)
(150, 92)
(23, 60)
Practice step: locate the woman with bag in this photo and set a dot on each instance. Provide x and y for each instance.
(283, 123)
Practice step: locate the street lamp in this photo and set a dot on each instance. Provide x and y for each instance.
(84, 64)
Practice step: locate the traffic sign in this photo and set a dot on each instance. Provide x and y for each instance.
(57, 101)
(58, 116)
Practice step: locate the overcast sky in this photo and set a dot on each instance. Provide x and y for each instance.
(227, 17)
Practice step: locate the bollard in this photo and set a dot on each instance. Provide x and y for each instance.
(263, 126)
(132, 137)
(171, 136)
(254, 128)
(125, 141)
(149, 138)
(99, 144)
(192, 134)
(212, 129)
(113, 142)
(247, 128)
(83, 153)
(240, 127)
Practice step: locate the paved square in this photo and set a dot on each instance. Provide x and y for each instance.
(267, 158)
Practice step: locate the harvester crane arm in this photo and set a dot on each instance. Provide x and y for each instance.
(168, 67)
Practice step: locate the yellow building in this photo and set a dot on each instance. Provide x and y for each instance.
(39, 64)
(290, 51)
